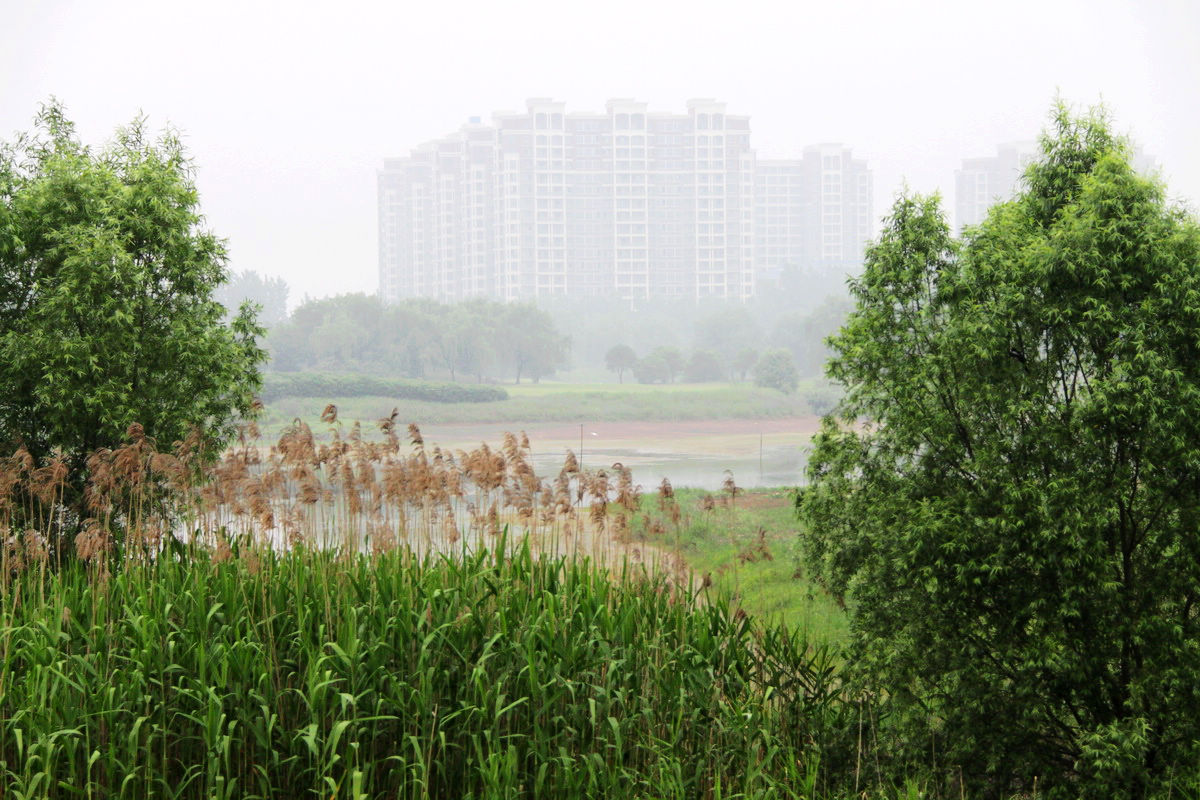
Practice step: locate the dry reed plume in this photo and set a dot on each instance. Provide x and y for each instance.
(340, 491)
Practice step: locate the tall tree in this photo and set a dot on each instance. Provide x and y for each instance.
(618, 359)
(107, 309)
(1010, 489)
(529, 342)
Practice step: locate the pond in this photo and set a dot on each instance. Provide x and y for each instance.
(759, 453)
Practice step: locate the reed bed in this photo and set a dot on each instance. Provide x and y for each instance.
(377, 619)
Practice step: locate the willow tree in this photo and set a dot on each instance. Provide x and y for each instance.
(107, 308)
(1010, 489)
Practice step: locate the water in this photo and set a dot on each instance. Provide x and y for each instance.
(766, 453)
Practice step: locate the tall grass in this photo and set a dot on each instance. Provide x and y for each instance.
(377, 619)
(309, 673)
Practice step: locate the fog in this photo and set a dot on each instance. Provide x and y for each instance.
(290, 109)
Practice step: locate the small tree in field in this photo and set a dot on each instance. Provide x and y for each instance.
(777, 370)
(745, 360)
(619, 358)
(652, 369)
(107, 307)
(703, 366)
(673, 358)
(1010, 489)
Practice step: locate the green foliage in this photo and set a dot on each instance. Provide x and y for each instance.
(704, 366)
(745, 360)
(1010, 489)
(309, 673)
(325, 386)
(776, 370)
(673, 358)
(652, 369)
(475, 338)
(618, 359)
(107, 309)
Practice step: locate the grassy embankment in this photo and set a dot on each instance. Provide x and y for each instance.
(562, 402)
(746, 548)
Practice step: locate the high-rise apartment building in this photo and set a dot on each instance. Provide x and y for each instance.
(983, 182)
(624, 202)
(813, 213)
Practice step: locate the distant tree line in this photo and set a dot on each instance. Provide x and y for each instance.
(476, 340)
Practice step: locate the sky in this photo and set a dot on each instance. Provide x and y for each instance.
(290, 108)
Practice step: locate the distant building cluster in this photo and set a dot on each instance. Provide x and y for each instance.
(625, 203)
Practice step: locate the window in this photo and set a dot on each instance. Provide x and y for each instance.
(540, 121)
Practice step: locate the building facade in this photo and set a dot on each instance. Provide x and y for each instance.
(813, 214)
(983, 182)
(625, 202)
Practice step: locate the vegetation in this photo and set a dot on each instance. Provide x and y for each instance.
(565, 402)
(107, 309)
(320, 384)
(743, 542)
(399, 645)
(1009, 488)
(476, 340)
(776, 370)
(619, 359)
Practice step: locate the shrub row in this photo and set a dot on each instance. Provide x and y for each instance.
(325, 385)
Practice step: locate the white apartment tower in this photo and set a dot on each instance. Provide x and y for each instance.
(982, 182)
(624, 202)
(813, 213)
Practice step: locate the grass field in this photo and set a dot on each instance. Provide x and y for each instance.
(563, 402)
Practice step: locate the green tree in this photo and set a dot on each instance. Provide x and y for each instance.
(620, 357)
(652, 369)
(107, 309)
(673, 358)
(776, 370)
(744, 361)
(1010, 488)
(704, 366)
(529, 342)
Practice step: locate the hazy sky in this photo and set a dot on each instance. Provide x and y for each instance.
(289, 108)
